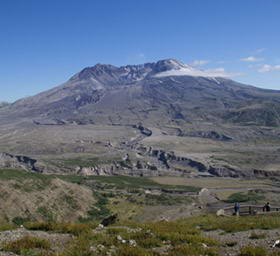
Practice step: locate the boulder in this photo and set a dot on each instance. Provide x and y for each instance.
(109, 220)
(221, 212)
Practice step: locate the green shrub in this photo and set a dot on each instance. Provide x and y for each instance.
(71, 201)
(46, 213)
(19, 220)
(99, 210)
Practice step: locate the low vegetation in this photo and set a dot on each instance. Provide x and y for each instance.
(175, 238)
(231, 225)
(99, 210)
(187, 236)
(90, 198)
(66, 228)
(7, 226)
(125, 182)
(26, 244)
(36, 182)
(242, 197)
(255, 235)
(253, 251)
(118, 182)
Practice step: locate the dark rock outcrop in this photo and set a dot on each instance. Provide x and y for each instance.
(112, 219)
(145, 131)
(208, 135)
(20, 162)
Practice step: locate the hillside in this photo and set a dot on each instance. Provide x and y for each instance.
(59, 215)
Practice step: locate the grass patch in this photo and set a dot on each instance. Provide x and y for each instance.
(41, 181)
(253, 251)
(69, 228)
(46, 213)
(26, 181)
(135, 251)
(165, 200)
(99, 210)
(255, 235)
(26, 243)
(7, 226)
(183, 250)
(71, 201)
(241, 197)
(126, 182)
(233, 224)
(183, 237)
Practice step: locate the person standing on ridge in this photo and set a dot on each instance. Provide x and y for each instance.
(236, 209)
(266, 207)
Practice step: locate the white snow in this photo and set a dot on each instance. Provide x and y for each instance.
(186, 70)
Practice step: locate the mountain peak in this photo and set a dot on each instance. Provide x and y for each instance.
(105, 73)
(169, 64)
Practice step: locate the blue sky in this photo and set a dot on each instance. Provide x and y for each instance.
(44, 42)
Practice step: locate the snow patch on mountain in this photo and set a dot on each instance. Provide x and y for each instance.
(186, 70)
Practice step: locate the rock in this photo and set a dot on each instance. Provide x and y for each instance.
(109, 220)
(93, 249)
(100, 247)
(145, 131)
(276, 244)
(20, 162)
(208, 135)
(132, 243)
(164, 219)
(126, 158)
(166, 242)
(221, 212)
(100, 226)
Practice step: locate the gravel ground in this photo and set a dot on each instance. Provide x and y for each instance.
(242, 239)
(58, 241)
(7, 254)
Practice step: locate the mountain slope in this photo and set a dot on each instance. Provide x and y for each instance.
(163, 118)
(158, 93)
